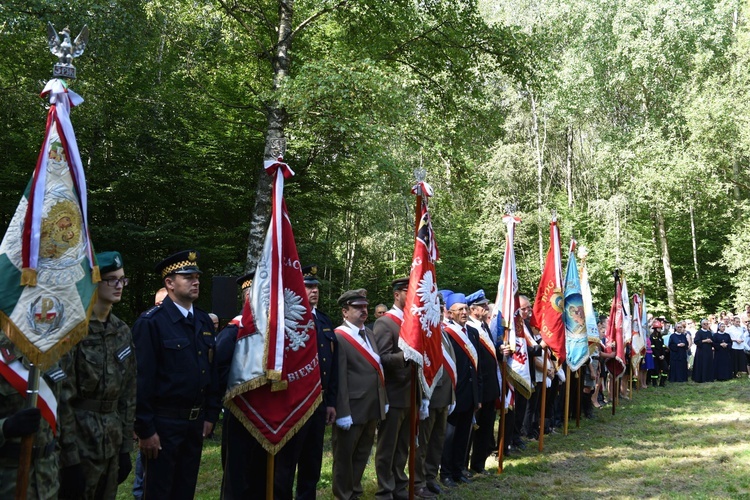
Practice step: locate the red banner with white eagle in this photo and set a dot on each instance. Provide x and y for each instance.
(274, 380)
(548, 306)
(420, 336)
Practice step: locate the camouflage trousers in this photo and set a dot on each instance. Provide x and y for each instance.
(43, 478)
(101, 477)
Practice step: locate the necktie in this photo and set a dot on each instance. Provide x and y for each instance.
(189, 318)
(362, 334)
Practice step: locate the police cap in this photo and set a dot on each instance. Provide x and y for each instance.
(247, 280)
(185, 262)
(310, 275)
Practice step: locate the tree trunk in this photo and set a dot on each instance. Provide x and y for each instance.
(668, 281)
(275, 139)
(539, 172)
(695, 246)
(569, 165)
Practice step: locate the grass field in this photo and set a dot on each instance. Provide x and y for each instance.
(681, 441)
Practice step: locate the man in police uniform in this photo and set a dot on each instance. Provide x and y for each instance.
(177, 400)
(242, 456)
(305, 450)
(361, 401)
(393, 433)
(100, 386)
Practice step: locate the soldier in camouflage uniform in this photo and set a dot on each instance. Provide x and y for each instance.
(17, 421)
(100, 388)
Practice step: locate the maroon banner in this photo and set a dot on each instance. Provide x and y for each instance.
(274, 389)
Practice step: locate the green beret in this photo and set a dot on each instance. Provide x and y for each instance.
(109, 261)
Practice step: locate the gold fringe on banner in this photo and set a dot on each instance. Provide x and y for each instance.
(28, 277)
(272, 448)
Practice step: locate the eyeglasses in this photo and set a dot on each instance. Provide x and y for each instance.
(115, 282)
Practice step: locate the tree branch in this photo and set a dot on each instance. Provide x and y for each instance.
(304, 24)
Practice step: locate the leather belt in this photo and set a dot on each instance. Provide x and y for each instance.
(95, 405)
(180, 413)
(13, 450)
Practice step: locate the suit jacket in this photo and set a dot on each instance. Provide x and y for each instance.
(487, 368)
(397, 371)
(467, 378)
(327, 357)
(360, 393)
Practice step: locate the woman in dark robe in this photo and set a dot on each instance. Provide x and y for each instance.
(678, 347)
(722, 353)
(703, 366)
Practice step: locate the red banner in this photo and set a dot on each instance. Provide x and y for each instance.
(548, 306)
(274, 390)
(420, 336)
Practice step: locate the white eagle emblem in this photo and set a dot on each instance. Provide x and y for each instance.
(428, 310)
(294, 312)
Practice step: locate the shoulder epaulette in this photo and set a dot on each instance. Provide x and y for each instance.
(151, 311)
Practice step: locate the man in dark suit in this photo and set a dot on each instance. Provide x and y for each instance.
(305, 450)
(177, 402)
(361, 401)
(484, 441)
(243, 458)
(392, 450)
(468, 388)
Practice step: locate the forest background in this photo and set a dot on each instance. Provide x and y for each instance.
(629, 118)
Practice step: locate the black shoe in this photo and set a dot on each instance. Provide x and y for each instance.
(465, 480)
(448, 482)
(483, 472)
(467, 473)
(519, 444)
(434, 487)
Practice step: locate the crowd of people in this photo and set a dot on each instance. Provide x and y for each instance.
(161, 386)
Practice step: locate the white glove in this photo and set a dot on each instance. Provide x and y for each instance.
(549, 382)
(387, 406)
(561, 375)
(424, 409)
(345, 422)
(451, 407)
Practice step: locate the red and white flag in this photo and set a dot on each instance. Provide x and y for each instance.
(420, 336)
(616, 365)
(549, 303)
(505, 322)
(274, 381)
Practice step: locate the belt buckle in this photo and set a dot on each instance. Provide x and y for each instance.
(194, 413)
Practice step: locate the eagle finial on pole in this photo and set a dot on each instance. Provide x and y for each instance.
(65, 50)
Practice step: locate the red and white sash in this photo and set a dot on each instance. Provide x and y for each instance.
(486, 341)
(396, 314)
(450, 365)
(17, 376)
(351, 335)
(462, 339)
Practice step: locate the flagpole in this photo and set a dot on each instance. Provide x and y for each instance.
(269, 476)
(544, 402)
(413, 415)
(27, 442)
(503, 411)
(567, 399)
(578, 407)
